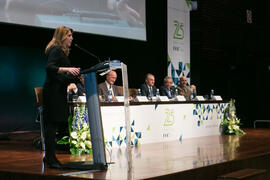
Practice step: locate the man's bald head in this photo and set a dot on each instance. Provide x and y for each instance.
(111, 77)
(183, 81)
(150, 79)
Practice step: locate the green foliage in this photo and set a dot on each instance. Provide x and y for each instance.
(70, 120)
(188, 3)
(230, 122)
(79, 137)
(64, 140)
(73, 151)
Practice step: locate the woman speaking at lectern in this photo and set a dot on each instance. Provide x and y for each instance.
(59, 74)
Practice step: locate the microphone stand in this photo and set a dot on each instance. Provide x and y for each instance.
(87, 52)
(98, 67)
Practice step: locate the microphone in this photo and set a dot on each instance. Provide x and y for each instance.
(87, 52)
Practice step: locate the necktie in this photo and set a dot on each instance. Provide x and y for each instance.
(169, 93)
(151, 91)
(110, 88)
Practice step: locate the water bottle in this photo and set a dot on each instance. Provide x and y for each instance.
(110, 95)
(212, 94)
(176, 92)
(139, 92)
(192, 94)
(157, 93)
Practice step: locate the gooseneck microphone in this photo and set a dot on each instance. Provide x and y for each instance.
(87, 52)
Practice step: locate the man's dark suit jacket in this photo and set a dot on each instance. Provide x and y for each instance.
(145, 90)
(185, 91)
(81, 89)
(103, 90)
(164, 91)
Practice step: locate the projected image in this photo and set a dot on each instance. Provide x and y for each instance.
(120, 18)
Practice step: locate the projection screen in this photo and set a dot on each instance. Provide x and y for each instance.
(119, 18)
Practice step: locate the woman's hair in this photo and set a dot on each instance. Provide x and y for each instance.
(60, 35)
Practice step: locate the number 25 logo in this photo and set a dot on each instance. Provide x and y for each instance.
(179, 31)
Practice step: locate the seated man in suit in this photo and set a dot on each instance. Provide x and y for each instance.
(184, 90)
(76, 89)
(168, 89)
(149, 89)
(103, 88)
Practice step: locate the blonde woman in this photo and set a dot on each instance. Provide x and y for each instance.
(59, 75)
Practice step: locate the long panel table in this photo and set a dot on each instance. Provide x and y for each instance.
(153, 122)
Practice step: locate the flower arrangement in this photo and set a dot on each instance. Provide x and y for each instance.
(230, 123)
(79, 139)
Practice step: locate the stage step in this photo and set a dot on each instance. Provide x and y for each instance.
(244, 174)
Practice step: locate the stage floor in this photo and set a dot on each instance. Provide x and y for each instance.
(196, 158)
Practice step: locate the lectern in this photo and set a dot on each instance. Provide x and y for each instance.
(94, 115)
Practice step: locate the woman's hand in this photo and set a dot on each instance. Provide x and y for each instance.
(70, 70)
(73, 71)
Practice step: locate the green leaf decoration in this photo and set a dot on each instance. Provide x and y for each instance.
(64, 140)
(70, 119)
(188, 3)
(73, 151)
(90, 151)
(188, 65)
(230, 123)
(169, 59)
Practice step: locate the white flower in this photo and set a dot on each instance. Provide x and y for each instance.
(88, 144)
(82, 145)
(235, 127)
(83, 136)
(74, 135)
(74, 142)
(85, 125)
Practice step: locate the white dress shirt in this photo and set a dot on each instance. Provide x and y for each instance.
(109, 87)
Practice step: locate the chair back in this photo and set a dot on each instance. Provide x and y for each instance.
(132, 91)
(39, 96)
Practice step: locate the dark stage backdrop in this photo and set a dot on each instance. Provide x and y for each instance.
(232, 56)
(21, 69)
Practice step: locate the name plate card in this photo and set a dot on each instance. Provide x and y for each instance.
(217, 98)
(180, 98)
(81, 99)
(154, 98)
(163, 98)
(199, 98)
(141, 99)
(119, 98)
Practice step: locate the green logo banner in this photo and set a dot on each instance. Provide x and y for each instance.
(179, 30)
